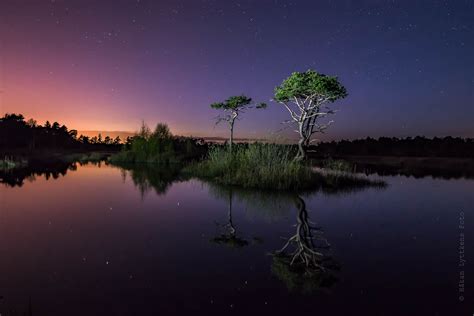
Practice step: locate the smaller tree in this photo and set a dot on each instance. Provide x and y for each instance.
(306, 96)
(144, 131)
(32, 123)
(84, 139)
(233, 107)
(107, 140)
(117, 140)
(162, 131)
(73, 133)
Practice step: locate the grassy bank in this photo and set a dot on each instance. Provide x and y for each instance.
(446, 168)
(267, 167)
(257, 165)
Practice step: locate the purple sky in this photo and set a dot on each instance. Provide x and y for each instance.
(105, 65)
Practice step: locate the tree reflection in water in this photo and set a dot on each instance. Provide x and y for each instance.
(303, 263)
(51, 168)
(148, 177)
(48, 169)
(229, 235)
(304, 240)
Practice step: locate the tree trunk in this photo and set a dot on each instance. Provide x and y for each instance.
(231, 140)
(301, 152)
(231, 124)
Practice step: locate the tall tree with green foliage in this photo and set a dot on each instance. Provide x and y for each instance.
(307, 97)
(233, 107)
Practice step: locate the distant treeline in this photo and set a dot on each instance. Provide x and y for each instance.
(20, 136)
(411, 147)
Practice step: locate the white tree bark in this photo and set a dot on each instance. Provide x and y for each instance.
(307, 112)
(232, 118)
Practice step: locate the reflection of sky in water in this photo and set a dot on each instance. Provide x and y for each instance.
(90, 243)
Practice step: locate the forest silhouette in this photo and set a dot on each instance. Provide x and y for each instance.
(18, 136)
(418, 146)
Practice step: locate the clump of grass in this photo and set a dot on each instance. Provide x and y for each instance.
(264, 166)
(85, 157)
(72, 157)
(7, 164)
(93, 157)
(269, 167)
(337, 165)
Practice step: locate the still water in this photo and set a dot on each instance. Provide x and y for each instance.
(103, 240)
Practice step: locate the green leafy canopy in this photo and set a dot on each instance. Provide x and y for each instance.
(235, 103)
(309, 84)
(232, 103)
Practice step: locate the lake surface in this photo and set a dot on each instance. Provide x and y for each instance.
(103, 240)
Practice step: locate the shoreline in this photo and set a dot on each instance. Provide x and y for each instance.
(437, 167)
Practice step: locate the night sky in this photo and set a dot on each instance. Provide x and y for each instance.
(105, 65)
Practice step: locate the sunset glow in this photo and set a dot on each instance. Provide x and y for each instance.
(91, 67)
